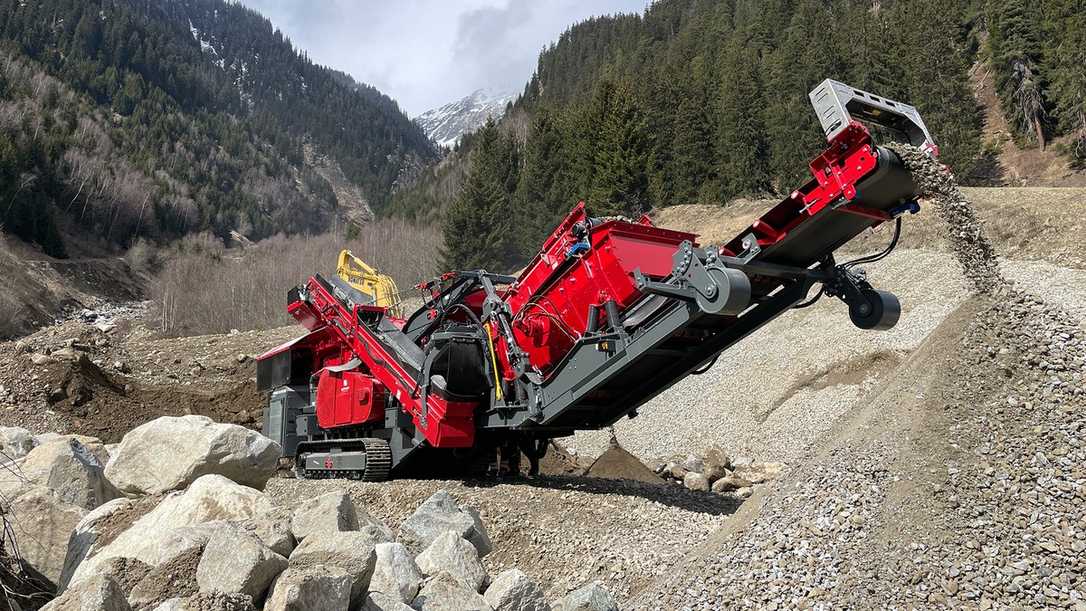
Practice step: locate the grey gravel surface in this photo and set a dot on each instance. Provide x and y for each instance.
(959, 484)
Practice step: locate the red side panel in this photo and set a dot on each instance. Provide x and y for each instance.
(348, 398)
(453, 423)
(551, 298)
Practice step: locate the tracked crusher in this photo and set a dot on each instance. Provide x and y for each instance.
(609, 314)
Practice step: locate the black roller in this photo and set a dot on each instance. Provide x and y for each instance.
(879, 310)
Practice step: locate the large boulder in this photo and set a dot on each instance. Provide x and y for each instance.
(395, 573)
(316, 588)
(84, 539)
(98, 594)
(170, 452)
(379, 601)
(366, 520)
(455, 556)
(512, 590)
(327, 513)
(592, 597)
(42, 522)
(237, 562)
(353, 552)
(15, 443)
(160, 534)
(444, 592)
(273, 529)
(439, 514)
(71, 470)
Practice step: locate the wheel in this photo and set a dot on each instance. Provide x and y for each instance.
(731, 295)
(879, 310)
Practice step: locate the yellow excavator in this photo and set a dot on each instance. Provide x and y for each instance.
(365, 278)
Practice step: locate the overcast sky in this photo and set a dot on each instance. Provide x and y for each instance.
(424, 53)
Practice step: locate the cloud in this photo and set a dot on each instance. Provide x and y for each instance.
(425, 53)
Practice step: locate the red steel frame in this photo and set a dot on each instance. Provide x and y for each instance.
(850, 157)
(444, 423)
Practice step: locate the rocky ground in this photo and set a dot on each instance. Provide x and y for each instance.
(122, 527)
(936, 464)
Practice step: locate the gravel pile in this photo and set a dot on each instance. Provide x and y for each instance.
(962, 483)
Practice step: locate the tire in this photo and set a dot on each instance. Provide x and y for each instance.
(878, 311)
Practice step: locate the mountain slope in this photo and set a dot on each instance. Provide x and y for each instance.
(160, 118)
(704, 102)
(447, 125)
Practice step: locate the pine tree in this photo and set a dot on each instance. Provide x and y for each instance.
(691, 159)
(793, 69)
(544, 193)
(740, 139)
(478, 226)
(620, 176)
(937, 78)
(1015, 43)
(1065, 56)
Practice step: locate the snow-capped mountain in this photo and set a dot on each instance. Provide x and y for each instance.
(447, 124)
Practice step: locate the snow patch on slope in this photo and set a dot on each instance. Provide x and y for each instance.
(447, 124)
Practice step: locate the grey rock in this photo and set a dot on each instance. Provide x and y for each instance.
(441, 513)
(729, 483)
(452, 554)
(328, 513)
(395, 572)
(98, 594)
(693, 463)
(68, 467)
(592, 597)
(209, 601)
(237, 562)
(83, 541)
(170, 453)
(353, 552)
(512, 590)
(379, 601)
(717, 459)
(315, 588)
(42, 523)
(443, 592)
(365, 519)
(15, 443)
(740, 462)
(158, 535)
(696, 481)
(274, 530)
(676, 471)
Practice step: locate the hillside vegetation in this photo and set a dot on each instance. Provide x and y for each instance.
(701, 102)
(142, 118)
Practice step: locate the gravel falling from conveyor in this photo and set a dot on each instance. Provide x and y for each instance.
(965, 232)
